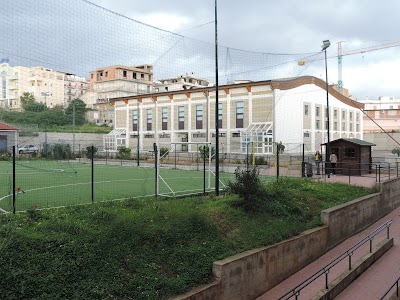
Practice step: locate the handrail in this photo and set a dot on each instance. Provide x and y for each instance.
(396, 283)
(325, 270)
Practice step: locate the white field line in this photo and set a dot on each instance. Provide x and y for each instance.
(85, 183)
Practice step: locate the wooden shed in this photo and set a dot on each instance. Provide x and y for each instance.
(354, 156)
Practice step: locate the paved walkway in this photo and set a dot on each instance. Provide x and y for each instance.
(372, 284)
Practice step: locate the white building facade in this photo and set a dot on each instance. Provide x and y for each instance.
(266, 112)
(38, 81)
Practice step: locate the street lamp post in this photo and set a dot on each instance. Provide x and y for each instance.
(325, 45)
(45, 94)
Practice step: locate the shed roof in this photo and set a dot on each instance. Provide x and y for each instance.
(4, 126)
(354, 141)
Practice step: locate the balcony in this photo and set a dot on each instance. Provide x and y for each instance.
(36, 78)
(13, 87)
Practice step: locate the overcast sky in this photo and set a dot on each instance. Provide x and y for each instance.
(177, 37)
(290, 26)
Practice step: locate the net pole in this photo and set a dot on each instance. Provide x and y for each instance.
(209, 165)
(13, 176)
(204, 170)
(254, 154)
(92, 161)
(277, 162)
(155, 148)
(216, 106)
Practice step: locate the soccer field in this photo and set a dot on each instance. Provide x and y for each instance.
(45, 183)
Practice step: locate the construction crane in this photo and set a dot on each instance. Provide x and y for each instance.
(342, 53)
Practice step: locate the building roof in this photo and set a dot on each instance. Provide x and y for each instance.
(4, 126)
(282, 84)
(354, 141)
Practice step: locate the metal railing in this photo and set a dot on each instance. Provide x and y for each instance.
(381, 171)
(295, 292)
(389, 289)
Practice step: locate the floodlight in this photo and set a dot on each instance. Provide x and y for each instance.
(325, 44)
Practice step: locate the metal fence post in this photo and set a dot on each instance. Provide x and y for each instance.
(13, 180)
(92, 160)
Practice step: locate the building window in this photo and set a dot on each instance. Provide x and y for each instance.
(306, 134)
(358, 127)
(351, 127)
(350, 152)
(164, 124)
(149, 119)
(317, 125)
(199, 116)
(236, 134)
(106, 74)
(124, 74)
(335, 114)
(306, 110)
(142, 76)
(343, 126)
(317, 111)
(134, 75)
(219, 115)
(357, 117)
(343, 115)
(239, 114)
(335, 126)
(135, 120)
(351, 116)
(181, 117)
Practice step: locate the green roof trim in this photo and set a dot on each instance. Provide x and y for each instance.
(355, 141)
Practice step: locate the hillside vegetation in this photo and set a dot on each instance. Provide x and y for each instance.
(148, 248)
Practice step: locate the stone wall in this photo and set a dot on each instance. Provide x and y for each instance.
(82, 140)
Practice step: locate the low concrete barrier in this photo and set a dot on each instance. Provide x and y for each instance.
(249, 274)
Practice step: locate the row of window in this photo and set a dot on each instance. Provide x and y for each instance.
(134, 75)
(335, 113)
(335, 126)
(181, 117)
(195, 135)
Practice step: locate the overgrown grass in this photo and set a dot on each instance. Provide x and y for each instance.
(148, 248)
(85, 128)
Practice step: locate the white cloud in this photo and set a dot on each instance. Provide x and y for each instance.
(165, 21)
(366, 80)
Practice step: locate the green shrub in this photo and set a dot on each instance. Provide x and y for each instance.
(90, 153)
(124, 152)
(248, 187)
(396, 151)
(164, 151)
(62, 151)
(261, 161)
(205, 152)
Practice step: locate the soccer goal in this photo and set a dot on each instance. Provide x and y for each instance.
(183, 168)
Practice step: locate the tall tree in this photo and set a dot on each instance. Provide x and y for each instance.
(80, 109)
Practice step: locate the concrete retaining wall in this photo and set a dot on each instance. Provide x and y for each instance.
(252, 273)
(82, 140)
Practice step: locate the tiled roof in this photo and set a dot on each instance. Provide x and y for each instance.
(4, 126)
